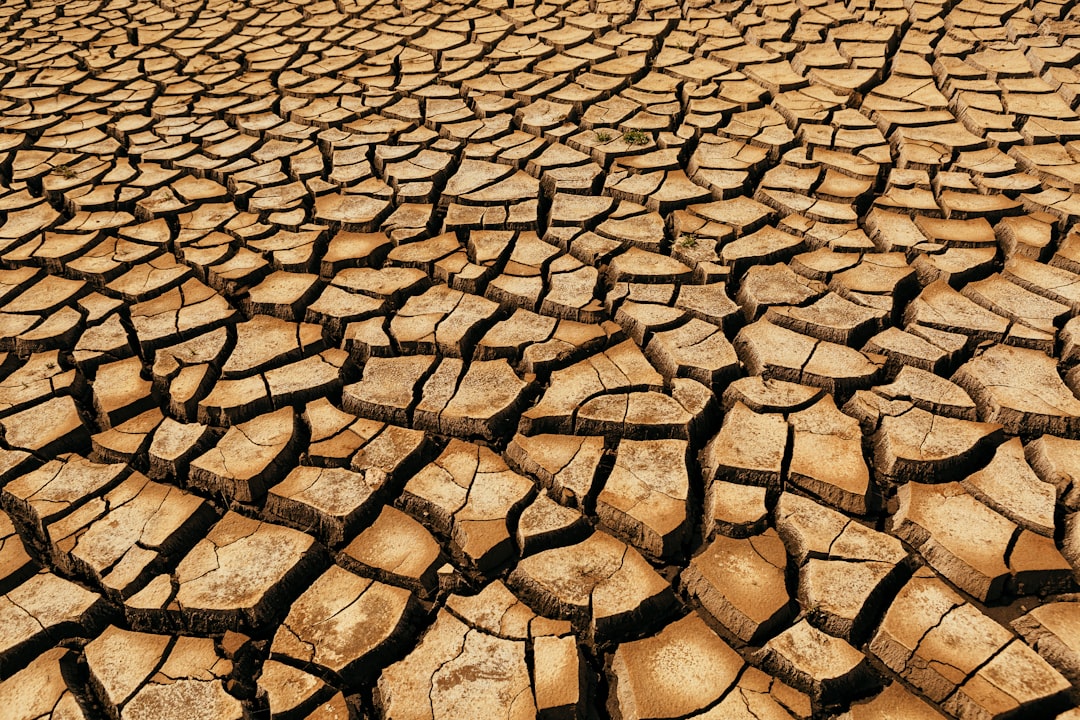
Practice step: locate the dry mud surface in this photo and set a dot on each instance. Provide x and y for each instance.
(610, 360)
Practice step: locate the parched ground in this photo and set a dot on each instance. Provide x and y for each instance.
(590, 360)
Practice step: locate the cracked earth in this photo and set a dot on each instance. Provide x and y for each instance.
(574, 360)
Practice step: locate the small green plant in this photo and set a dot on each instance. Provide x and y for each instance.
(636, 137)
(603, 135)
(66, 171)
(688, 240)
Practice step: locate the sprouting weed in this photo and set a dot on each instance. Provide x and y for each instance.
(603, 135)
(65, 171)
(688, 240)
(636, 137)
